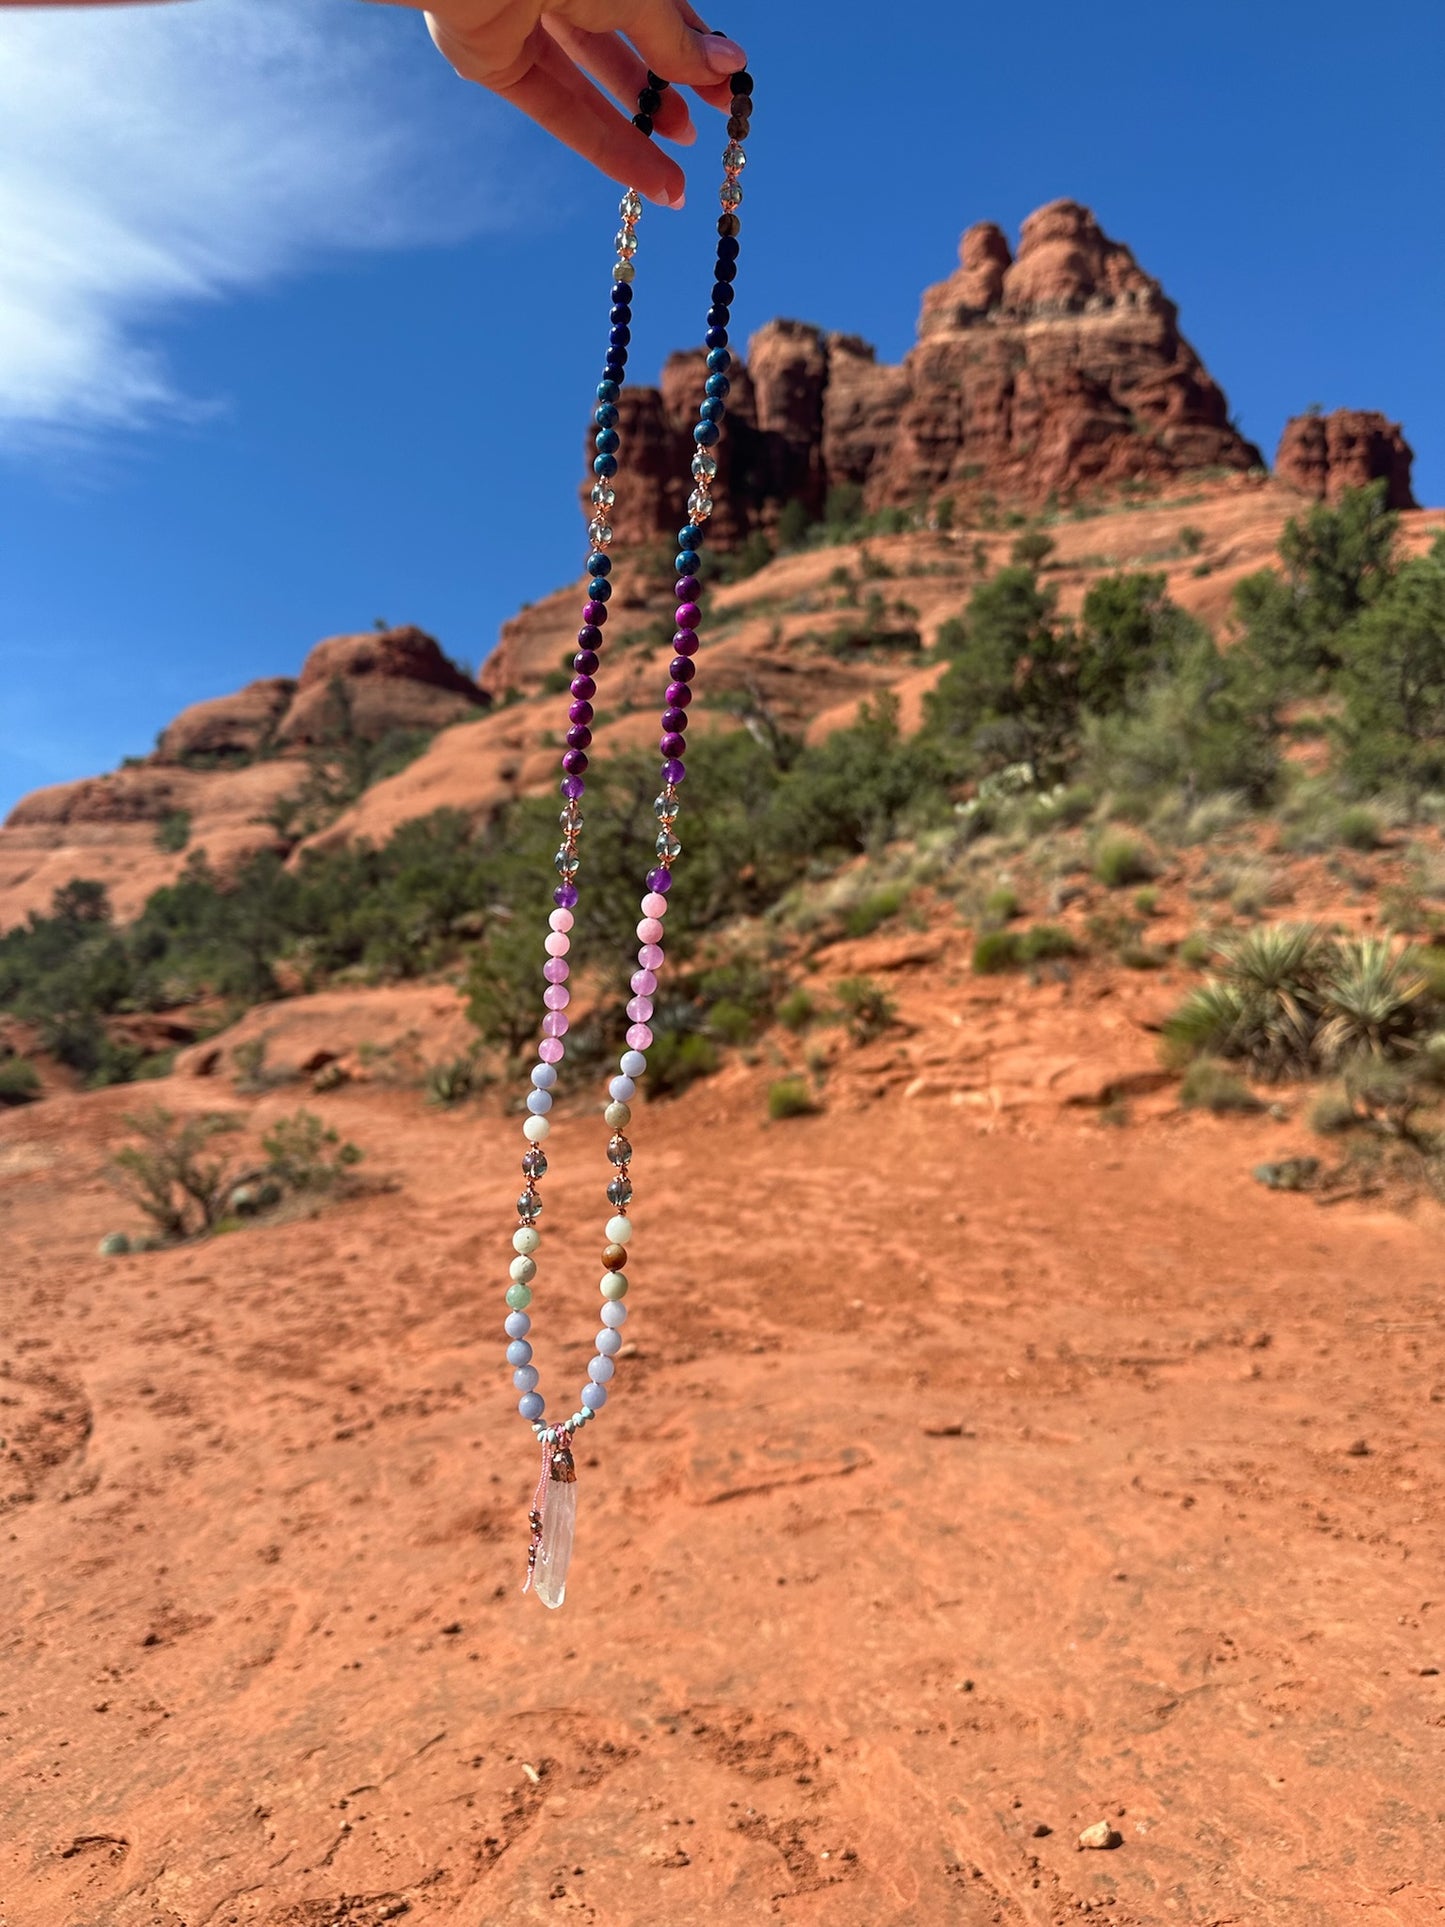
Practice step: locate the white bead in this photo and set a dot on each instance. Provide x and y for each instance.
(535, 1129)
(522, 1269)
(525, 1239)
(619, 1230)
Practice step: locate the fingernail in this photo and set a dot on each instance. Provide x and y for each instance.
(722, 55)
(672, 197)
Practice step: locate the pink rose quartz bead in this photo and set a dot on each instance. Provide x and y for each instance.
(554, 1024)
(654, 904)
(639, 1037)
(551, 1050)
(560, 920)
(556, 996)
(650, 956)
(644, 982)
(650, 930)
(639, 1009)
(558, 943)
(556, 972)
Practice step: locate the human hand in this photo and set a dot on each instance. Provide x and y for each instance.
(539, 58)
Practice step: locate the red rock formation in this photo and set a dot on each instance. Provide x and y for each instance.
(1323, 455)
(227, 728)
(1059, 371)
(390, 679)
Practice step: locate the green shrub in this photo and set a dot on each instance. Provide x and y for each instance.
(307, 1155)
(733, 1023)
(867, 1008)
(1120, 860)
(167, 1175)
(1045, 943)
(1210, 1087)
(790, 1097)
(1031, 549)
(1001, 905)
(997, 950)
(19, 1081)
(450, 1081)
(173, 832)
(1141, 956)
(1332, 1112)
(1146, 902)
(1196, 950)
(797, 1010)
(865, 916)
(1358, 829)
(678, 1059)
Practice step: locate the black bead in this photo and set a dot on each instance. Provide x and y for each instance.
(737, 128)
(717, 321)
(728, 248)
(643, 123)
(622, 294)
(648, 101)
(722, 294)
(742, 82)
(657, 83)
(726, 270)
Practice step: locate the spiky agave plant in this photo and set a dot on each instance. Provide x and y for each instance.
(1264, 1004)
(1371, 1001)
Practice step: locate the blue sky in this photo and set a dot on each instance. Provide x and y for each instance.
(297, 330)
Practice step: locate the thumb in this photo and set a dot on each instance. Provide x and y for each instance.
(678, 53)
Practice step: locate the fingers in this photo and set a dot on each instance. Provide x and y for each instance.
(547, 87)
(682, 53)
(608, 58)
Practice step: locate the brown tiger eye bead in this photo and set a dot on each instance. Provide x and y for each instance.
(614, 1257)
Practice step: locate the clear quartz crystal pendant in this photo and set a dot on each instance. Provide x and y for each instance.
(559, 1526)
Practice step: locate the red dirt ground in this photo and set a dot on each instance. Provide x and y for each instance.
(977, 1477)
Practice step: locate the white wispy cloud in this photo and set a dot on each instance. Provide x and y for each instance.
(153, 157)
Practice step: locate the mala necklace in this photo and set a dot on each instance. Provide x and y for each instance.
(554, 1508)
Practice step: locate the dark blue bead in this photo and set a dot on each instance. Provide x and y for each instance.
(725, 270)
(717, 327)
(713, 410)
(706, 434)
(717, 385)
(607, 415)
(719, 359)
(608, 441)
(607, 391)
(616, 316)
(727, 248)
(621, 294)
(722, 294)
(689, 536)
(600, 589)
(620, 335)
(599, 563)
(615, 366)
(605, 466)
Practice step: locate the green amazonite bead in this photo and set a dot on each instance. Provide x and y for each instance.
(519, 1297)
(614, 1285)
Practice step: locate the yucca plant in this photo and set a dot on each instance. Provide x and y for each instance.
(1370, 1001)
(1263, 1006)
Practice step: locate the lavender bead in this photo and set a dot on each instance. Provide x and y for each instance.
(614, 1313)
(556, 997)
(519, 1352)
(532, 1406)
(544, 1076)
(661, 880)
(609, 1342)
(632, 1063)
(622, 1090)
(518, 1324)
(571, 787)
(539, 1102)
(600, 1370)
(644, 982)
(555, 970)
(594, 1397)
(525, 1378)
(551, 1050)
(565, 896)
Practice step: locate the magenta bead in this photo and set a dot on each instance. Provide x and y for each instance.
(583, 687)
(556, 996)
(551, 1050)
(594, 614)
(678, 696)
(556, 970)
(574, 761)
(654, 905)
(583, 712)
(682, 669)
(639, 1009)
(687, 615)
(638, 1036)
(674, 721)
(650, 956)
(579, 736)
(554, 1024)
(672, 745)
(644, 982)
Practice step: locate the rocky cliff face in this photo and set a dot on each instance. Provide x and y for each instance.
(1323, 455)
(1057, 371)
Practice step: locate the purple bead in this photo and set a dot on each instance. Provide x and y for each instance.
(574, 762)
(685, 643)
(589, 638)
(551, 1050)
(556, 970)
(554, 1024)
(674, 770)
(686, 588)
(643, 982)
(674, 720)
(688, 615)
(578, 736)
(565, 896)
(672, 745)
(571, 787)
(649, 955)
(586, 662)
(581, 711)
(678, 696)
(682, 669)
(583, 688)
(639, 1036)
(661, 881)
(639, 1009)
(594, 614)
(556, 997)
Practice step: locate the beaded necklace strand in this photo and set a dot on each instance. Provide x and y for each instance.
(554, 1507)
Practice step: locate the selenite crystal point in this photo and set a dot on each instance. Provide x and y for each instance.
(554, 1555)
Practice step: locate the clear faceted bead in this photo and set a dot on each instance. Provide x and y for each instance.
(619, 1151)
(571, 819)
(568, 863)
(603, 495)
(734, 159)
(704, 464)
(599, 532)
(529, 1205)
(625, 242)
(667, 845)
(665, 806)
(619, 1192)
(554, 1555)
(731, 195)
(534, 1164)
(630, 206)
(699, 505)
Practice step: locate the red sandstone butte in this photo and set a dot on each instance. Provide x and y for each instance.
(1323, 455)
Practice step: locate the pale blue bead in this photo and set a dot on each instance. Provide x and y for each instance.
(539, 1102)
(532, 1406)
(600, 1369)
(632, 1063)
(518, 1324)
(525, 1378)
(544, 1076)
(594, 1397)
(609, 1342)
(623, 1089)
(614, 1313)
(519, 1352)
